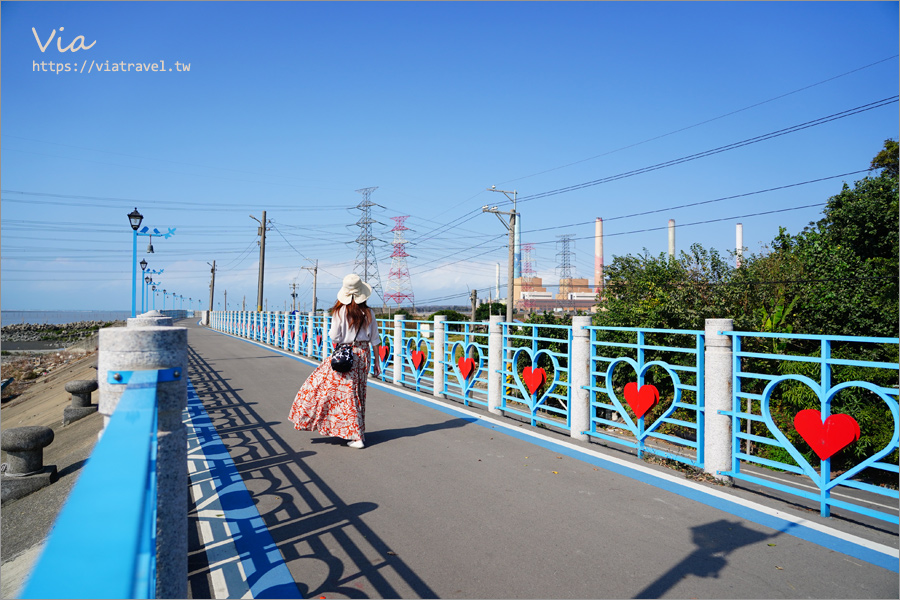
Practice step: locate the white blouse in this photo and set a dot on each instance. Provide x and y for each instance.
(342, 333)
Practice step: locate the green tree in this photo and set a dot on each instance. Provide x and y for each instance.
(452, 315)
(887, 159)
(665, 292)
(484, 311)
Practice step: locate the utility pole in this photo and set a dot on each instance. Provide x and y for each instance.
(244, 303)
(262, 258)
(212, 284)
(512, 245)
(315, 272)
(294, 297)
(226, 299)
(474, 297)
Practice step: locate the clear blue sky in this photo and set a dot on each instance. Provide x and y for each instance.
(291, 107)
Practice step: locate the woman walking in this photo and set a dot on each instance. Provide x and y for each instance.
(334, 403)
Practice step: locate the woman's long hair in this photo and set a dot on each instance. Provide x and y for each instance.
(357, 314)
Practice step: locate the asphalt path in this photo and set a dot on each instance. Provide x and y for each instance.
(444, 502)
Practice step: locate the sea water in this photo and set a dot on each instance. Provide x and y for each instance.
(61, 317)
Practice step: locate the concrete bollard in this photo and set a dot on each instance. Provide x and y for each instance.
(81, 406)
(495, 365)
(145, 348)
(718, 396)
(580, 374)
(398, 348)
(25, 472)
(149, 319)
(439, 354)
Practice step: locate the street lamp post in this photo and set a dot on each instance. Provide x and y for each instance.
(150, 273)
(164, 299)
(134, 218)
(143, 269)
(154, 297)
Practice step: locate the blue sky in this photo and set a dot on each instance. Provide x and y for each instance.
(291, 107)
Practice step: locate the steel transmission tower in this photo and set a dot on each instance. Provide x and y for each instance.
(399, 287)
(366, 264)
(565, 255)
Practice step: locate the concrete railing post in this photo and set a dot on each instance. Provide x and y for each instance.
(495, 364)
(439, 353)
(398, 347)
(580, 377)
(298, 319)
(146, 348)
(718, 390)
(310, 334)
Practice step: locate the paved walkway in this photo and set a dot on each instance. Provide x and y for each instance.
(447, 501)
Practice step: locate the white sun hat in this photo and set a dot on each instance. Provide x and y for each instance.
(354, 289)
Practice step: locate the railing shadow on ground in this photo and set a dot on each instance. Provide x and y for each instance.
(714, 541)
(311, 520)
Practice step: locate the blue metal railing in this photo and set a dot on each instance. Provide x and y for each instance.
(466, 361)
(416, 355)
(822, 371)
(530, 390)
(386, 351)
(620, 404)
(659, 373)
(122, 527)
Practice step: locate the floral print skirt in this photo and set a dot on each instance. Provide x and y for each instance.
(333, 403)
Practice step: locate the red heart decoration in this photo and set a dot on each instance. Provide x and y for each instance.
(383, 352)
(281, 334)
(318, 340)
(418, 358)
(466, 366)
(292, 333)
(826, 438)
(305, 336)
(641, 400)
(534, 378)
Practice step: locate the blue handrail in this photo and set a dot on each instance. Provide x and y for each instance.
(110, 516)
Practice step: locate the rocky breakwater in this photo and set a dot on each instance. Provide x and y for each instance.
(37, 336)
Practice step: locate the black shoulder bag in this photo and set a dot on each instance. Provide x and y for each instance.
(342, 359)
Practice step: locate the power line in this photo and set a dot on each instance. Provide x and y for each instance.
(734, 112)
(692, 204)
(706, 153)
(170, 204)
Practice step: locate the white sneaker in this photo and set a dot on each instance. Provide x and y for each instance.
(356, 444)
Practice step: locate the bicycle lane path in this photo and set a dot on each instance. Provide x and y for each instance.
(448, 502)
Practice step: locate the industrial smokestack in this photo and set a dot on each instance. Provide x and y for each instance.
(598, 256)
(518, 243)
(671, 237)
(739, 243)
